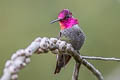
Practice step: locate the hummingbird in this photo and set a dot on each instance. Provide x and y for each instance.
(71, 33)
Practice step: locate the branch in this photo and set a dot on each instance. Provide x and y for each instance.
(42, 45)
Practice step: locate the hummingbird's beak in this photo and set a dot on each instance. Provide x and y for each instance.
(55, 21)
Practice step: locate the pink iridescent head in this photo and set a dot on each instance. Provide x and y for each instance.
(65, 13)
(66, 20)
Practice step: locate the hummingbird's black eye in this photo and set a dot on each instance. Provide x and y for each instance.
(67, 16)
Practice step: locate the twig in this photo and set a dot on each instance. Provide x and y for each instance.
(93, 69)
(101, 58)
(76, 71)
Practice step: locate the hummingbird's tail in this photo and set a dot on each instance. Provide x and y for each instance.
(62, 60)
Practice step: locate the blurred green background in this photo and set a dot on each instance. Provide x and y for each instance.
(21, 21)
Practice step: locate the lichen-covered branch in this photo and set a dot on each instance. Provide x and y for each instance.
(19, 60)
(42, 45)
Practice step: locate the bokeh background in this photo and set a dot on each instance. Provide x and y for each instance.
(21, 21)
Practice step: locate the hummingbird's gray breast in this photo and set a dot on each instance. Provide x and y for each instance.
(75, 36)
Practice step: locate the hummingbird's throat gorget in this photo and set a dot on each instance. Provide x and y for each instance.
(68, 23)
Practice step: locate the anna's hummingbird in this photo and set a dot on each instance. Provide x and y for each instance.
(71, 32)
